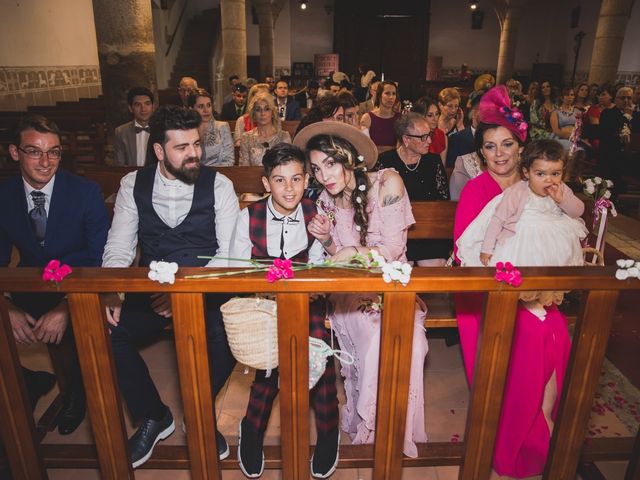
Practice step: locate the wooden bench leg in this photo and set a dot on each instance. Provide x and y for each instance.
(16, 420)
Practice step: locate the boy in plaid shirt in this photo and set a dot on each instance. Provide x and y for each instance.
(276, 227)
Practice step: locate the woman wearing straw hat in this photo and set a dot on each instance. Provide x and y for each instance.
(360, 211)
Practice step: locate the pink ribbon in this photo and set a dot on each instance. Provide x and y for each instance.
(601, 205)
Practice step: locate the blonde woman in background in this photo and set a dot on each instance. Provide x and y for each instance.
(244, 124)
(451, 115)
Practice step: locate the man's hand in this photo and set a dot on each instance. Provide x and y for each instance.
(113, 305)
(161, 304)
(22, 325)
(50, 327)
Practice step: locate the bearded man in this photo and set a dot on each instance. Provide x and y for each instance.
(175, 211)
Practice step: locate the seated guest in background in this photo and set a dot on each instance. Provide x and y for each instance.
(215, 137)
(260, 233)
(424, 178)
(308, 97)
(176, 211)
(582, 101)
(49, 214)
(461, 143)
(467, 166)
(430, 109)
(381, 119)
(130, 139)
(615, 136)
(540, 112)
(234, 81)
(185, 87)
(266, 133)
(327, 108)
(244, 123)
(287, 107)
(237, 106)
(330, 87)
(269, 80)
(591, 124)
(593, 93)
(532, 94)
(346, 86)
(563, 118)
(451, 115)
(368, 104)
(349, 106)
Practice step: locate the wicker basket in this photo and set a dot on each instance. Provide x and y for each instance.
(593, 257)
(252, 331)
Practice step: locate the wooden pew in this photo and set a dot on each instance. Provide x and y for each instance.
(28, 459)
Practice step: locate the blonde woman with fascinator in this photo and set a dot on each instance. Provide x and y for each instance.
(360, 211)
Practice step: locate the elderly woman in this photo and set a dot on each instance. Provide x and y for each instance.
(215, 137)
(265, 134)
(541, 348)
(451, 115)
(361, 211)
(380, 120)
(429, 108)
(244, 123)
(424, 178)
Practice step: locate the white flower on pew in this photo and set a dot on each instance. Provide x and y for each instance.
(375, 259)
(628, 269)
(597, 180)
(400, 272)
(163, 272)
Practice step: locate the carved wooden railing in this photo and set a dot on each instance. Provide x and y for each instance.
(29, 459)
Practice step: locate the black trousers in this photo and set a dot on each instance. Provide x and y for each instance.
(138, 322)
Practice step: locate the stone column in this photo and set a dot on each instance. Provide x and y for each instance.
(267, 43)
(234, 39)
(509, 15)
(607, 47)
(126, 52)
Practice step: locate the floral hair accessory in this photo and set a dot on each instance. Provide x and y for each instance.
(55, 271)
(163, 272)
(360, 159)
(280, 269)
(495, 108)
(362, 188)
(507, 273)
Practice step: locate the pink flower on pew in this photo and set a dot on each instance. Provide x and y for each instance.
(507, 273)
(55, 271)
(280, 269)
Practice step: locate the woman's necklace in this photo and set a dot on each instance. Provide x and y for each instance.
(406, 165)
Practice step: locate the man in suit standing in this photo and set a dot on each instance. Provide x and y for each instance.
(286, 106)
(130, 140)
(237, 106)
(461, 143)
(308, 97)
(54, 215)
(177, 212)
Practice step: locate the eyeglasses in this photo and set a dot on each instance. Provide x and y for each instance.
(53, 154)
(422, 138)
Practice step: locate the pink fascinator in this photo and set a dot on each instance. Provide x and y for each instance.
(495, 108)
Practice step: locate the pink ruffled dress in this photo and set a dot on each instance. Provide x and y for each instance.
(358, 328)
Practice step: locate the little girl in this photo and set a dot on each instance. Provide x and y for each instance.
(535, 222)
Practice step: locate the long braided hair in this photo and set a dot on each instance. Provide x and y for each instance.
(344, 153)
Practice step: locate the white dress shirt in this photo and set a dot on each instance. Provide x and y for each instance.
(295, 237)
(171, 200)
(142, 139)
(47, 190)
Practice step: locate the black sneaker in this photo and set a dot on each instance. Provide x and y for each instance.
(250, 454)
(150, 432)
(223, 446)
(325, 456)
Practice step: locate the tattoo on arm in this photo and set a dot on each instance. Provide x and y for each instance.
(327, 243)
(390, 200)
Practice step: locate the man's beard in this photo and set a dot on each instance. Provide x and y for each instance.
(184, 174)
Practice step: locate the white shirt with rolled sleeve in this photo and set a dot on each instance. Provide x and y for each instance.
(295, 237)
(171, 201)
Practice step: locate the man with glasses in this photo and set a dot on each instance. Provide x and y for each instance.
(49, 214)
(186, 86)
(615, 136)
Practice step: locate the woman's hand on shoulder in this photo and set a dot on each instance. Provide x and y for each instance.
(391, 187)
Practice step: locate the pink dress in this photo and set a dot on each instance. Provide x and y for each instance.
(358, 328)
(539, 348)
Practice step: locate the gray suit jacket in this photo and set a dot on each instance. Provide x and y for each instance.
(124, 144)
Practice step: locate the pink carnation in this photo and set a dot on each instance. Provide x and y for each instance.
(55, 271)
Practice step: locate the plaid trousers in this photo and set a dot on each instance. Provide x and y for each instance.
(323, 395)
